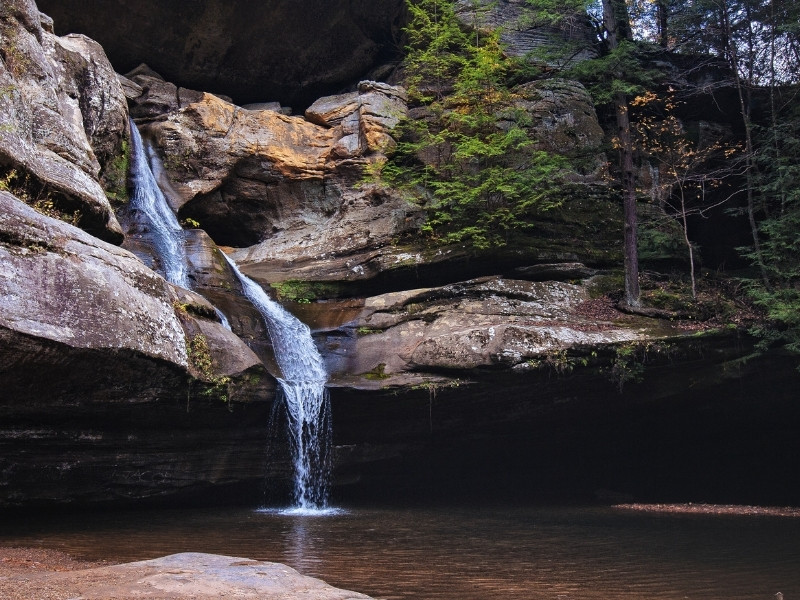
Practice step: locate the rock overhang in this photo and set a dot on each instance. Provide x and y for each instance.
(292, 51)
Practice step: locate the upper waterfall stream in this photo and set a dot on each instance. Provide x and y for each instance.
(303, 376)
(148, 198)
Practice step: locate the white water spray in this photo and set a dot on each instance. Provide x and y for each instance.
(148, 198)
(303, 387)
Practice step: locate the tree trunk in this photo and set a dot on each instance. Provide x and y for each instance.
(773, 109)
(617, 25)
(631, 247)
(662, 14)
(744, 108)
(616, 22)
(687, 241)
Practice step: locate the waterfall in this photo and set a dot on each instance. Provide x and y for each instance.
(303, 376)
(148, 198)
(302, 385)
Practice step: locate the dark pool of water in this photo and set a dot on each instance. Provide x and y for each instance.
(458, 553)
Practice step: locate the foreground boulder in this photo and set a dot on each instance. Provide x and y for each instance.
(189, 575)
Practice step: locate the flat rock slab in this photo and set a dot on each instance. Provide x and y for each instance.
(184, 576)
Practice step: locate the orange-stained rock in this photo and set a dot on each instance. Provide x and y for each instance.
(205, 142)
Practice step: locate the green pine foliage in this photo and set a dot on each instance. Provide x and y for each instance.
(621, 70)
(466, 154)
(552, 12)
(779, 178)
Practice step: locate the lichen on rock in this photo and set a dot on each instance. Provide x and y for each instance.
(65, 285)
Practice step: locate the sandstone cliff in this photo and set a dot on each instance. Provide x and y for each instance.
(88, 329)
(109, 394)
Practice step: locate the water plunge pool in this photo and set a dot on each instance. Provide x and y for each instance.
(460, 552)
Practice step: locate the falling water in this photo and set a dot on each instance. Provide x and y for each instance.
(303, 373)
(223, 319)
(303, 387)
(148, 198)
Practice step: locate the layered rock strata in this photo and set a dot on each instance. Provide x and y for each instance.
(523, 35)
(100, 366)
(119, 386)
(288, 188)
(294, 195)
(490, 324)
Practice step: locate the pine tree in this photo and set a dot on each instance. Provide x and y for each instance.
(481, 182)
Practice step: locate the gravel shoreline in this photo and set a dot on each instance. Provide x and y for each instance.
(713, 509)
(25, 574)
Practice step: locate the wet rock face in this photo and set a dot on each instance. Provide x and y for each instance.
(63, 113)
(84, 426)
(292, 51)
(217, 289)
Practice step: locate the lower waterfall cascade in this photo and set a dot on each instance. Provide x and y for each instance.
(303, 388)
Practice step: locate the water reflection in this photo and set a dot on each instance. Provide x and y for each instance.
(454, 553)
(300, 547)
